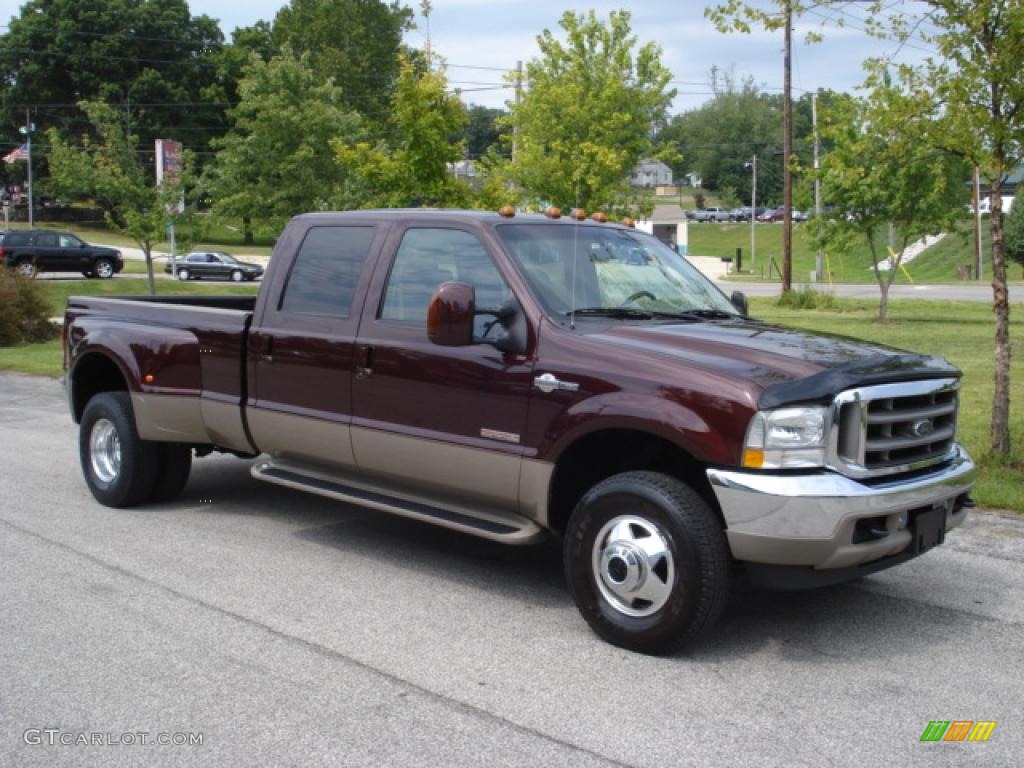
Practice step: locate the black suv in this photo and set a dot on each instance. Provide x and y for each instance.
(40, 250)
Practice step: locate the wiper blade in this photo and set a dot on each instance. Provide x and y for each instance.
(708, 314)
(629, 313)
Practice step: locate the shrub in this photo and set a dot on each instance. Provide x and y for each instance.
(807, 298)
(24, 311)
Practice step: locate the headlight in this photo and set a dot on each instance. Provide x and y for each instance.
(786, 438)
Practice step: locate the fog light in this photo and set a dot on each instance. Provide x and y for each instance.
(903, 520)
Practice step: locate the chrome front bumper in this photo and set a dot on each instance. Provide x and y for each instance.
(810, 519)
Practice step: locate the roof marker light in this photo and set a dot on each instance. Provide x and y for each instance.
(552, 212)
(507, 211)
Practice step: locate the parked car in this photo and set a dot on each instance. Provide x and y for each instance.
(778, 214)
(467, 369)
(741, 214)
(31, 251)
(710, 214)
(214, 265)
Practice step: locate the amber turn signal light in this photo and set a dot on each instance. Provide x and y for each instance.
(578, 214)
(552, 212)
(753, 459)
(628, 222)
(507, 211)
(600, 217)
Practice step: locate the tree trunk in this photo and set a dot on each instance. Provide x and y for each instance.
(1001, 309)
(247, 238)
(147, 249)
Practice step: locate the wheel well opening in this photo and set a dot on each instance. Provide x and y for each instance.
(600, 455)
(94, 374)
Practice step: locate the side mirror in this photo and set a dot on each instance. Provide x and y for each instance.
(451, 315)
(739, 301)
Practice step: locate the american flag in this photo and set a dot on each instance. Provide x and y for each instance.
(21, 153)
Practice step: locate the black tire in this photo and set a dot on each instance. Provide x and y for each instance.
(175, 464)
(132, 480)
(693, 572)
(103, 268)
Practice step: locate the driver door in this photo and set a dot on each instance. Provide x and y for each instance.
(436, 419)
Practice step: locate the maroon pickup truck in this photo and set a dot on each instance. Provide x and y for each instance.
(517, 376)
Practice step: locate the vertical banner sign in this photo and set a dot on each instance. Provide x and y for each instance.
(168, 166)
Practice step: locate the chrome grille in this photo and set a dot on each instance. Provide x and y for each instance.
(891, 428)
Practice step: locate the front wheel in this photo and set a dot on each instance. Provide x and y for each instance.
(103, 269)
(119, 467)
(647, 562)
(236, 276)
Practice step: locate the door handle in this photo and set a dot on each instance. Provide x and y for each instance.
(364, 361)
(267, 349)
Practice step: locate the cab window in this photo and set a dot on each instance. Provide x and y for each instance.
(428, 257)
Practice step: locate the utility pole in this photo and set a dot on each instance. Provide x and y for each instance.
(819, 260)
(27, 130)
(519, 98)
(787, 151)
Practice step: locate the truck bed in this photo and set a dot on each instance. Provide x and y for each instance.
(186, 360)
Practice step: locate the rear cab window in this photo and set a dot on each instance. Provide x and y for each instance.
(326, 271)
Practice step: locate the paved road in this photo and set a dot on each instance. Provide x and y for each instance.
(294, 631)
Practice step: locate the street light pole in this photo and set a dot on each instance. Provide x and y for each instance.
(819, 261)
(26, 130)
(753, 210)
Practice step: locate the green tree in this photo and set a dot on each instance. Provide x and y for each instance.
(587, 116)
(276, 160)
(976, 86)
(148, 57)
(356, 43)
(720, 137)
(884, 178)
(1015, 235)
(109, 172)
(411, 167)
(482, 130)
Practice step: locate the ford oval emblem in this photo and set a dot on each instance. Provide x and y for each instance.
(922, 428)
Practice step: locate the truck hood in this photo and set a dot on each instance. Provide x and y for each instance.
(787, 364)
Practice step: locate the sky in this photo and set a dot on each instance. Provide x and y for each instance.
(481, 38)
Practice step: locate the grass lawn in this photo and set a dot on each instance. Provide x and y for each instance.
(960, 331)
(215, 237)
(936, 265)
(57, 291)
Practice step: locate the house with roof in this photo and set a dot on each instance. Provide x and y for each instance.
(651, 173)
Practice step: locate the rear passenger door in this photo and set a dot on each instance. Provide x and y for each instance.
(47, 251)
(302, 348)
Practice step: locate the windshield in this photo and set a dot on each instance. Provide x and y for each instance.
(613, 268)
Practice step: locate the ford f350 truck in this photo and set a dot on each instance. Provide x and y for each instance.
(517, 376)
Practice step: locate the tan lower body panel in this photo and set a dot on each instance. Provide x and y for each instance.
(301, 438)
(481, 476)
(169, 418)
(189, 419)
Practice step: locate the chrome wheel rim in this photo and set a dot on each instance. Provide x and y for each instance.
(104, 269)
(633, 566)
(236, 276)
(26, 269)
(183, 274)
(105, 451)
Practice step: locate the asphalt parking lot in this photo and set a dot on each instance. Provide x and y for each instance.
(292, 630)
